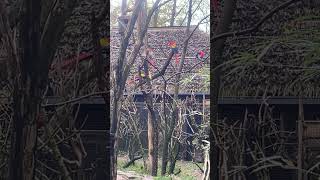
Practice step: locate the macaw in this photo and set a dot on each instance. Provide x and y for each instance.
(142, 74)
(173, 46)
(201, 55)
(104, 41)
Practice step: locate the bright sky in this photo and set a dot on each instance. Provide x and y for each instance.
(197, 16)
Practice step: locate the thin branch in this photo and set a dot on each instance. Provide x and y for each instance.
(137, 47)
(73, 100)
(258, 24)
(198, 166)
(166, 64)
(47, 167)
(132, 161)
(74, 132)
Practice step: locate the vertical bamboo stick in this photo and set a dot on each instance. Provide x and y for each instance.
(300, 139)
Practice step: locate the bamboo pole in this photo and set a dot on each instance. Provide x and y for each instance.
(300, 139)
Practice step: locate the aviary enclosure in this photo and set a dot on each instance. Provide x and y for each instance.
(159, 89)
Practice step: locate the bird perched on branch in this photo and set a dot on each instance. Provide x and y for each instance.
(174, 48)
(201, 55)
(104, 42)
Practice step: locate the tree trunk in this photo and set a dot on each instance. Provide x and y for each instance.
(155, 18)
(121, 74)
(124, 5)
(173, 120)
(152, 120)
(26, 96)
(174, 156)
(152, 137)
(115, 119)
(216, 54)
(116, 102)
(173, 12)
(31, 74)
(165, 150)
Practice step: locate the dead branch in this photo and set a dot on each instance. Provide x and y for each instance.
(257, 25)
(73, 100)
(132, 161)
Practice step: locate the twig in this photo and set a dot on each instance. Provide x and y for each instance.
(132, 161)
(3, 165)
(74, 100)
(179, 171)
(47, 167)
(77, 131)
(42, 174)
(257, 25)
(198, 166)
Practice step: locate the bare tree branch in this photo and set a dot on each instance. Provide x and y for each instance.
(73, 100)
(258, 24)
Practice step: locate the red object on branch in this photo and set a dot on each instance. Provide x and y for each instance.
(73, 60)
(201, 54)
(172, 44)
(177, 59)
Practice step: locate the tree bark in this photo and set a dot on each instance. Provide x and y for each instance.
(120, 79)
(124, 5)
(155, 18)
(173, 12)
(174, 156)
(152, 120)
(215, 73)
(152, 136)
(26, 96)
(122, 72)
(174, 118)
(31, 74)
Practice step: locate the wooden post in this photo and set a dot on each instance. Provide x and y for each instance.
(300, 140)
(282, 125)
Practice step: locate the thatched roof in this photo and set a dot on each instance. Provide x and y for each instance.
(158, 38)
(288, 40)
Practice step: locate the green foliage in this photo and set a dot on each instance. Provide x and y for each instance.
(313, 54)
(187, 168)
(163, 178)
(294, 54)
(201, 79)
(170, 178)
(137, 167)
(308, 17)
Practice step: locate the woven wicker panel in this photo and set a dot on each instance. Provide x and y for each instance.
(312, 130)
